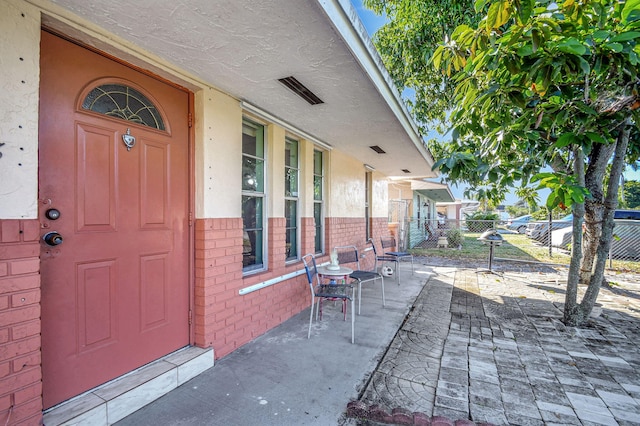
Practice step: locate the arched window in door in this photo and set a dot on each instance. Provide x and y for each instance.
(124, 102)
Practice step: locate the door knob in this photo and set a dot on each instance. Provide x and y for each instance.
(52, 238)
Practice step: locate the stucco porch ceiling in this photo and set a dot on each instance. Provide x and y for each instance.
(438, 192)
(243, 47)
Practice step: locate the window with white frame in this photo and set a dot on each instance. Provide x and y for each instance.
(253, 196)
(291, 198)
(318, 199)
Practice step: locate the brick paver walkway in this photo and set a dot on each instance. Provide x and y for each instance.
(491, 348)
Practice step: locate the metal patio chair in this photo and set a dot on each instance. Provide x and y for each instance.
(393, 256)
(320, 291)
(348, 255)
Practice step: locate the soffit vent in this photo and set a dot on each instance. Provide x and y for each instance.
(377, 149)
(300, 90)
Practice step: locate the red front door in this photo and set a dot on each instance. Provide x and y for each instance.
(115, 288)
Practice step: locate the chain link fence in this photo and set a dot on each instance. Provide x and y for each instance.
(399, 213)
(539, 243)
(624, 246)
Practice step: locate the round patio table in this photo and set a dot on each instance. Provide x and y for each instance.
(333, 275)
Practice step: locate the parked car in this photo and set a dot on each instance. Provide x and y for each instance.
(627, 214)
(538, 230)
(628, 233)
(519, 223)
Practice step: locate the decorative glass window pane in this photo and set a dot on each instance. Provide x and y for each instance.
(124, 102)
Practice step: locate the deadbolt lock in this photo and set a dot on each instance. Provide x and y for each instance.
(52, 214)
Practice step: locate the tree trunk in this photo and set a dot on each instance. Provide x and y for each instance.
(571, 311)
(594, 208)
(610, 204)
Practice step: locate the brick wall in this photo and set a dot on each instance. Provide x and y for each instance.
(223, 318)
(226, 320)
(342, 231)
(380, 228)
(20, 372)
(308, 235)
(351, 231)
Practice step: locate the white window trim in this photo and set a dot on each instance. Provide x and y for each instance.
(254, 269)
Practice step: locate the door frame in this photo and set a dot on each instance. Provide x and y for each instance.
(190, 153)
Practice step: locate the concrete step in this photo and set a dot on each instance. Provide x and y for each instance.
(120, 397)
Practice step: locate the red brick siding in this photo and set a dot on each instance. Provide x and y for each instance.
(277, 241)
(223, 318)
(352, 231)
(308, 243)
(379, 228)
(20, 370)
(342, 231)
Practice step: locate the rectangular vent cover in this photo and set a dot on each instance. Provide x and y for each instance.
(300, 90)
(377, 149)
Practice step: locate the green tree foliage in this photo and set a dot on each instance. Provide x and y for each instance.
(532, 80)
(406, 44)
(529, 196)
(535, 84)
(540, 83)
(632, 194)
(517, 210)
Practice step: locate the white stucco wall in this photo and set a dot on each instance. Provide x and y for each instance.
(275, 170)
(345, 186)
(379, 196)
(20, 70)
(218, 155)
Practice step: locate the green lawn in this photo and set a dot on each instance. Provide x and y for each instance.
(515, 246)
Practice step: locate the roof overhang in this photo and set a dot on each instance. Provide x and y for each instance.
(438, 192)
(243, 48)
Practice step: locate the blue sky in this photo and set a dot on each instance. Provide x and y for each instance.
(372, 22)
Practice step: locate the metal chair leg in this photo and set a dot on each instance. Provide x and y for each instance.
(344, 309)
(353, 321)
(311, 317)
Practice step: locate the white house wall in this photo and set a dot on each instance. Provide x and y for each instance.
(380, 197)
(19, 62)
(346, 186)
(218, 140)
